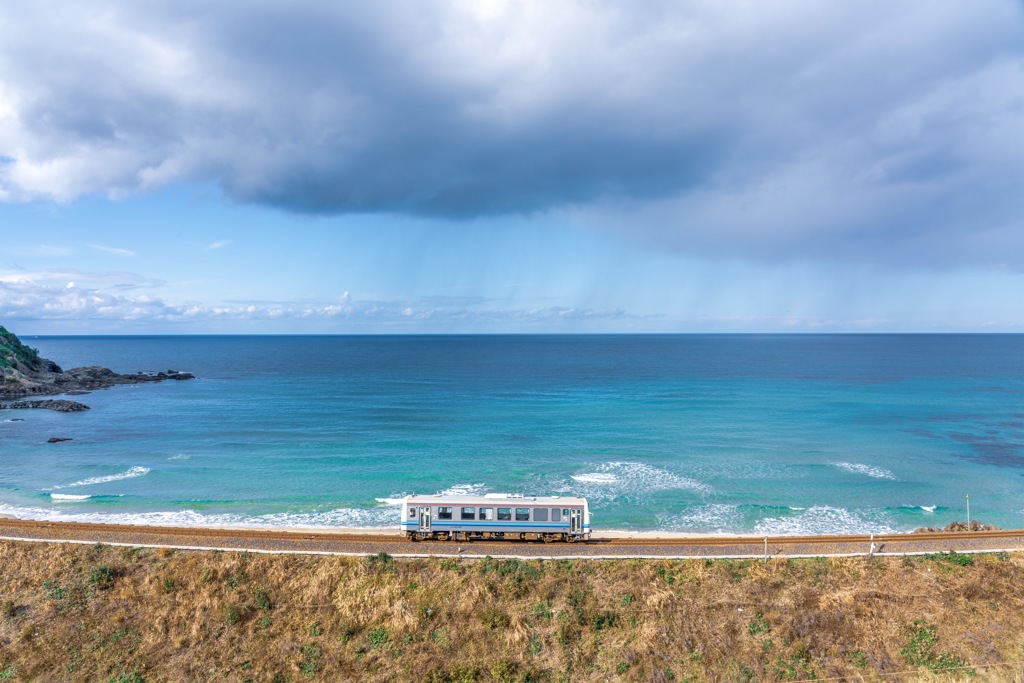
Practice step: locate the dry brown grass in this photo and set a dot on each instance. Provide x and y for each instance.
(82, 613)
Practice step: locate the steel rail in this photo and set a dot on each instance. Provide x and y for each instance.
(299, 535)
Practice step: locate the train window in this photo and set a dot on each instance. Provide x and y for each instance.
(412, 513)
(540, 514)
(522, 514)
(565, 511)
(504, 514)
(556, 515)
(487, 513)
(444, 513)
(468, 513)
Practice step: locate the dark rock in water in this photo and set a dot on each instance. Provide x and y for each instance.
(58, 439)
(78, 393)
(60, 405)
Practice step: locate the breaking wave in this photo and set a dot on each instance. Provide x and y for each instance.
(868, 470)
(341, 518)
(128, 474)
(617, 478)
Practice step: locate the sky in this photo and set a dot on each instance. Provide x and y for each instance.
(511, 167)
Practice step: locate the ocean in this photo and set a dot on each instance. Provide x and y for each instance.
(762, 434)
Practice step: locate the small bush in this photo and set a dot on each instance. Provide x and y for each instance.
(263, 600)
(311, 654)
(168, 584)
(231, 615)
(378, 636)
(380, 562)
(922, 639)
(9, 609)
(102, 577)
(494, 618)
(128, 677)
(758, 625)
(504, 672)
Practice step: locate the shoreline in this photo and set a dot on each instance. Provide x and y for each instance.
(608, 534)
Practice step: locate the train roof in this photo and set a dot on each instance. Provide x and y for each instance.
(510, 499)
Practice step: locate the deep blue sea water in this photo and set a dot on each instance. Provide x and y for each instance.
(775, 434)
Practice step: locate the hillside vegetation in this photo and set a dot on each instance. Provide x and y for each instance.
(13, 353)
(84, 613)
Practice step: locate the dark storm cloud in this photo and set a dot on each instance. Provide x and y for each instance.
(772, 130)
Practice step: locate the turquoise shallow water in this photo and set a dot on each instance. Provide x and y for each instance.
(734, 433)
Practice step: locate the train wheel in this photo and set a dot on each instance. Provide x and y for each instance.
(569, 538)
(414, 537)
(548, 538)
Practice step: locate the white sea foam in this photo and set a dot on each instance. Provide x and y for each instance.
(390, 501)
(464, 490)
(824, 520)
(352, 518)
(128, 474)
(712, 518)
(928, 508)
(610, 479)
(180, 456)
(596, 478)
(68, 497)
(869, 470)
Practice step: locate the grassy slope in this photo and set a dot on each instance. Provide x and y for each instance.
(101, 613)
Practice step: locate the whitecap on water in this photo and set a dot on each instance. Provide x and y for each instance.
(596, 478)
(713, 518)
(464, 490)
(391, 501)
(180, 456)
(67, 497)
(868, 470)
(128, 474)
(618, 478)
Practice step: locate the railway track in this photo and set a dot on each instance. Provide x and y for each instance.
(301, 541)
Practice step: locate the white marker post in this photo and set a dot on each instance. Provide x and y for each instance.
(766, 550)
(968, 497)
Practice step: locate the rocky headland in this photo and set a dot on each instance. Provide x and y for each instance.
(24, 373)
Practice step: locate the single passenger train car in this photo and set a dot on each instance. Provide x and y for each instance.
(509, 516)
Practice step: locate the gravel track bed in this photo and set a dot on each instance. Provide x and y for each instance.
(355, 544)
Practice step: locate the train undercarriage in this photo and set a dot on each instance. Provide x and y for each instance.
(490, 536)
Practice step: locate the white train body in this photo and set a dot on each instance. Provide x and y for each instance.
(508, 516)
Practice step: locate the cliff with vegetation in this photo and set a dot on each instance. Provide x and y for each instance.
(23, 372)
(100, 613)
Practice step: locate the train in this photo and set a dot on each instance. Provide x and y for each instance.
(496, 516)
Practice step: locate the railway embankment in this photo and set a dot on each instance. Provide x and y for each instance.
(99, 612)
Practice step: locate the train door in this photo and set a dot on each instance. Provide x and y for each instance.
(575, 521)
(425, 519)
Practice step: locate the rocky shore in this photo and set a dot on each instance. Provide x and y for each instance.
(25, 373)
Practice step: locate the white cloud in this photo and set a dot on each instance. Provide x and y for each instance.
(35, 301)
(219, 244)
